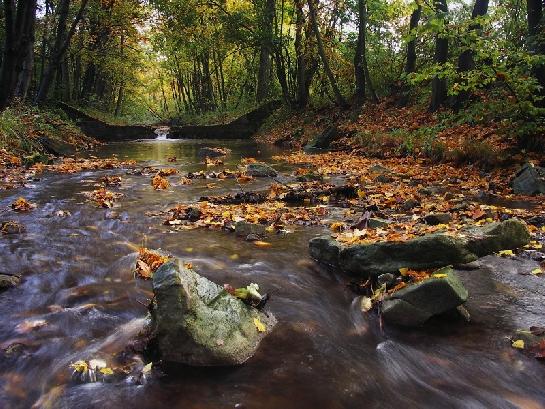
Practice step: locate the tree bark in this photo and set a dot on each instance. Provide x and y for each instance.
(16, 69)
(536, 43)
(62, 42)
(264, 73)
(466, 60)
(359, 71)
(321, 51)
(439, 85)
(410, 64)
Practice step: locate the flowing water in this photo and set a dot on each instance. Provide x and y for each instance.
(79, 300)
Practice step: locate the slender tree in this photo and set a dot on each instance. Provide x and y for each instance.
(62, 42)
(439, 83)
(321, 51)
(264, 73)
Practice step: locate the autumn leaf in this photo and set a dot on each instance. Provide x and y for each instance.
(260, 243)
(259, 325)
(159, 183)
(22, 205)
(506, 253)
(366, 304)
(518, 344)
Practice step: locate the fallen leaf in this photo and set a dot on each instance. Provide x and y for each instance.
(366, 304)
(259, 325)
(518, 344)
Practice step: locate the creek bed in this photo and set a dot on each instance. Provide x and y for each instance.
(79, 292)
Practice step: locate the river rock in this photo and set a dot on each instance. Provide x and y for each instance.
(260, 170)
(529, 180)
(325, 250)
(196, 322)
(56, 147)
(8, 281)
(209, 152)
(493, 237)
(430, 251)
(245, 229)
(322, 141)
(415, 304)
(421, 253)
(437, 218)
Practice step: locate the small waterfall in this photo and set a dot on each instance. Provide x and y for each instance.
(162, 133)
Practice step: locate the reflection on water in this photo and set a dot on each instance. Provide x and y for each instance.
(79, 300)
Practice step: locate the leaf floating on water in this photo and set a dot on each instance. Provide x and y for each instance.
(159, 183)
(148, 262)
(506, 253)
(536, 271)
(22, 205)
(518, 344)
(260, 243)
(147, 369)
(440, 275)
(106, 371)
(79, 366)
(30, 325)
(167, 171)
(259, 325)
(366, 304)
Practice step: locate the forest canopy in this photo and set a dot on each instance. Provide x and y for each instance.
(163, 59)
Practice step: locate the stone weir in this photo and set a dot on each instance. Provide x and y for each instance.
(241, 128)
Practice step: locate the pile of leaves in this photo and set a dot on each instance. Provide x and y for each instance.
(158, 182)
(21, 205)
(71, 165)
(110, 181)
(405, 191)
(103, 198)
(275, 215)
(148, 262)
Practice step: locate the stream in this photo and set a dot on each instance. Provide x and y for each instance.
(79, 300)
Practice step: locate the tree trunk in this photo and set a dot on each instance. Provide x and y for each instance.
(321, 50)
(62, 41)
(536, 43)
(466, 59)
(19, 26)
(359, 71)
(410, 65)
(439, 84)
(264, 73)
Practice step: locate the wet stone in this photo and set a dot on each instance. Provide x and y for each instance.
(415, 304)
(529, 180)
(437, 218)
(8, 281)
(196, 322)
(260, 170)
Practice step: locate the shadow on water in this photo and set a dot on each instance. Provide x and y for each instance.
(79, 300)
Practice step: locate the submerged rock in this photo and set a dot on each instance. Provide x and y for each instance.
(196, 322)
(421, 253)
(245, 229)
(415, 304)
(209, 152)
(8, 281)
(260, 170)
(529, 180)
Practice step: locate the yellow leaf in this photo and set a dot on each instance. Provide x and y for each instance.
(337, 227)
(361, 193)
(147, 368)
(79, 366)
(518, 344)
(403, 271)
(440, 275)
(106, 371)
(505, 253)
(260, 243)
(366, 304)
(537, 271)
(234, 256)
(259, 325)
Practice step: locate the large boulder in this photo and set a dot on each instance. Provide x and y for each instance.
(415, 304)
(430, 251)
(493, 237)
(196, 322)
(260, 170)
(529, 180)
(421, 253)
(322, 141)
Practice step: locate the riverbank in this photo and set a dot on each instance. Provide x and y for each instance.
(478, 137)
